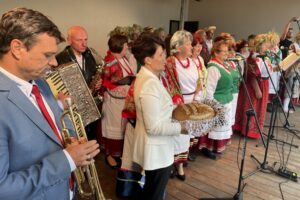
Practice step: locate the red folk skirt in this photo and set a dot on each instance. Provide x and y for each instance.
(217, 146)
(259, 105)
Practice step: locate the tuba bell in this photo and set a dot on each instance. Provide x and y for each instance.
(85, 175)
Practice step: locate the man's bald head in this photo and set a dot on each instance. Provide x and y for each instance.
(77, 38)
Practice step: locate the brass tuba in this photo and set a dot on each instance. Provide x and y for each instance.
(84, 173)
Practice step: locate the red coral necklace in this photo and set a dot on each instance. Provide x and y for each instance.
(200, 64)
(184, 66)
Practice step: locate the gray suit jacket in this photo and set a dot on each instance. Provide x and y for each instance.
(32, 163)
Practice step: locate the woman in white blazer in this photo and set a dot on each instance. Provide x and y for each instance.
(153, 146)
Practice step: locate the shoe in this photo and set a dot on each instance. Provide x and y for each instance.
(191, 156)
(180, 177)
(117, 166)
(209, 154)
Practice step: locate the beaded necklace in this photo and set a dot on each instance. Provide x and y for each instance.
(184, 66)
(200, 64)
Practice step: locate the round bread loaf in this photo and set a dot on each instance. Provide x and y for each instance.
(193, 111)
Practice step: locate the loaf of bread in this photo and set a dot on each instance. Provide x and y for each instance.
(193, 111)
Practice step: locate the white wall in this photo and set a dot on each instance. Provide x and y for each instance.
(99, 17)
(244, 17)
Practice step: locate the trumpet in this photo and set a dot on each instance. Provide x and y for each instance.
(86, 174)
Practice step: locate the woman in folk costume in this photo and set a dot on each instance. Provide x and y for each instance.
(182, 79)
(200, 142)
(256, 78)
(204, 53)
(219, 87)
(292, 78)
(199, 62)
(234, 71)
(275, 57)
(129, 176)
(117, 67)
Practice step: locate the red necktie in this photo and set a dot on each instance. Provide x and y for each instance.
(36, 92)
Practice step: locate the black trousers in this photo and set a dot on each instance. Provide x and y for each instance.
(155, 184)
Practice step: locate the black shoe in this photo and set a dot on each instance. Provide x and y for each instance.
(209, 154)
(180, 177)
(117, 166)
(191, 156)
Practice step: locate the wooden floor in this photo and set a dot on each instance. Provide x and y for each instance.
(219, 178)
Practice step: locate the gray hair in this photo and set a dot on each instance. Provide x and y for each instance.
(178, 39)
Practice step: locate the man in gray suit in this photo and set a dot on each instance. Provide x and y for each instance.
(33, 162)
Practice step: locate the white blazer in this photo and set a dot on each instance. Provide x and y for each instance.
(153, 145)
